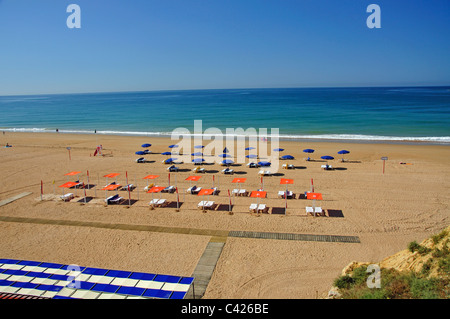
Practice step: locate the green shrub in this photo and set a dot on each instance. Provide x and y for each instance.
(344, 282)
(413, 246)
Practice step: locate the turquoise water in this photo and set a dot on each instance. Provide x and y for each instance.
(415, 113)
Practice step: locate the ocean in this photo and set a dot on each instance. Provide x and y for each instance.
(402, 114)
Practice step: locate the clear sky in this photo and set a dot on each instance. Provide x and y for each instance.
(141, 45)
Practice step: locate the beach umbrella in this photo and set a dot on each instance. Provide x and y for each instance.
(173, 146)
(327, 157)
(251, 156)
(224, 155)
(343, 152)
(72, 174)
(286, 181)
(264, 163)
(204, 192)
(192, 178)
(314, 197)
(155, 189)
(227, 162)
(198, 146)
(169, 160)
(309, 151)
(225, 150)
(250, 148)
(278, 149)
(146, 145)
(197, 154)
(150, 177)
(198, 160)
(140, 153)
(287, 157)
(258, 195)
(166, 153)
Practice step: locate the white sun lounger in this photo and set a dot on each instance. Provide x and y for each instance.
(158, 202)
(253, 208)
(327, 167)
(290, 194)
(227, 171)
(264, 173)
(318, 210)
(193, 190)
(206, 204)
(198, 170)
(243, 192)
(169, 189)
(262, 208)
(67, 197)
(287, 166)
(115, 199)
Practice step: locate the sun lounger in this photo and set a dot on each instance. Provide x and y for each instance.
(318, 211)
(252, 165)
(168, 189)
(243, 192)
(115, 199)
(253, 208)
(140, 160)
(264, 173)
(215, 191)
(198, 170)
(158, 202)
(228, 171)
(287, 166)
(193, 190)
(129, 186)
(172, 168)
(206, 204)
(281, 194)
(327, 167)
(262, 208)
(235, 191)
(67, 197)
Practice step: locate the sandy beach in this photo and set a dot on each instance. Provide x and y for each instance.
(386, 211)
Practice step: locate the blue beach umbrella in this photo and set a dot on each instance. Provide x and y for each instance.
(224, 155)
(308, 150)
(251, 156)
(326, 157)
(343, 152)
(249, 148)
(198, 146)
(173, 146)
(166, 153)
(264, 163)
(278, 149)
(227, 162)
(197, 154)
(146, 145)
(170, 160)
(198, 160)
(287, 157)
(140, 153)
(225, 150)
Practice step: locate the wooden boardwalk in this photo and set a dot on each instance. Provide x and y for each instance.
(11, 199)
(204, 270)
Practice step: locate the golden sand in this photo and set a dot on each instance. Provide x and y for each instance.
(386, 211)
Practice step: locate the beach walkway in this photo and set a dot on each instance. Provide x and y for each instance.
(11, 199)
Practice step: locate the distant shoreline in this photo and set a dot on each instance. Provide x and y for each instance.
(282, 137)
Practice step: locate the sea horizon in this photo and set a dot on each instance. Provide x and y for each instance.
(394, 114)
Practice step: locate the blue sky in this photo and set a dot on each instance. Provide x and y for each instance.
(144, 45)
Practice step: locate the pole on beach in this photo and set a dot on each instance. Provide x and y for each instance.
(128, 189)
(88, 180)
(312, 186)
(42, 189)
(178, 199)
(384, 158)
(229, 196)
